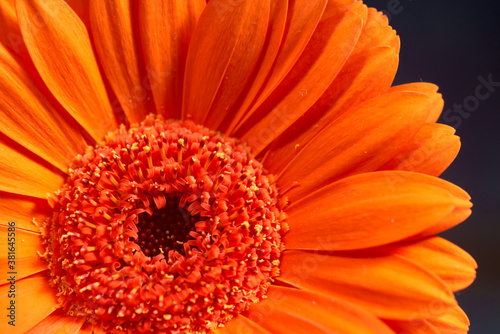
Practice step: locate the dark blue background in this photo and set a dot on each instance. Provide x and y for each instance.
(451, 44)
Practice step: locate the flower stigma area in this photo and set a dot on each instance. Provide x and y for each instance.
(165, 227)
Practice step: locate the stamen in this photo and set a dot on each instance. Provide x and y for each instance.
(166, 227)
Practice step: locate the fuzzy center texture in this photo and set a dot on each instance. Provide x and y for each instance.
(165, 227)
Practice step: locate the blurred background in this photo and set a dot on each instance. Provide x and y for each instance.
(456, 45)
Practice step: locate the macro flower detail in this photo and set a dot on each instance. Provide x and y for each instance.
(222, 166)
(162, 227)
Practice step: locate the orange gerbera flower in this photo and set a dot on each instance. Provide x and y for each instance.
(224, 167)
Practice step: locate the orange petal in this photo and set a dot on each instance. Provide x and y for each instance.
(302, 18)
(455, 266)
(430, 152)
(23, 210)
(220, 60)
(119, 50)
(10, 35)
(166, 30)
(34, 301)
(460, 212)
(241, 66)
(359, 141)
(329, 47)
(81, 8)
(377, 32)
(58, 323)
(21, 175)
(368, 210)
(364, 76)
(368, 72)
(241, 324)
(275, 30)
(62, 54)
(421, 87)
(308, 312)
(385, 285)
(29, 119)
(414, 326)
(26, 245)
(395, 177)
(455, 322)
(456, 217)
(437, 102)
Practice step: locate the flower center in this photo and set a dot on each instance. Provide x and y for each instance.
(166, 227)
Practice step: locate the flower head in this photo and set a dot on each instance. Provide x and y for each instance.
(164, 226)
(222, 166)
